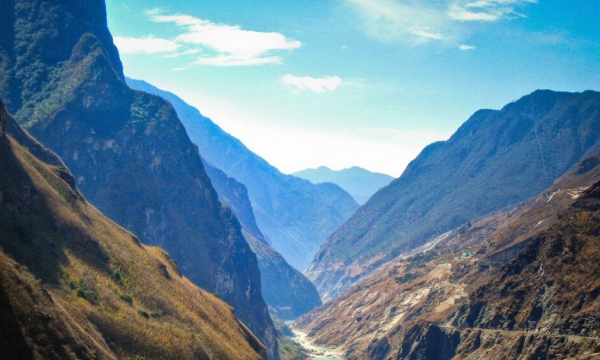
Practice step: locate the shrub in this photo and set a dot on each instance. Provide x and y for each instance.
(116, 276)
(155, 314)
(408, 277)
(81, 293)
(90, 295)
(144, 314)
(127, 298)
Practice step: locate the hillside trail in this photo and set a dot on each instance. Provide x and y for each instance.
(520, 332)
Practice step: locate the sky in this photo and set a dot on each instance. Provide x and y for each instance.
(346, 83)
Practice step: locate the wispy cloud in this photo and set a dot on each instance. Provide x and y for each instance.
(146, 45)
(211, 43)
(465, 47)
(486, 10)
(389, 20)
(317, 85)
(417, 21)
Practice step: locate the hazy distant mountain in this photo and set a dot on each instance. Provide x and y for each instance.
(516, 284)
(291, 212)
(360, 183)
(128, 151)
(496, 159)
(333, 195)
(287, 291)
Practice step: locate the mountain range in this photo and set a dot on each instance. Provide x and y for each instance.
(519, 284)
(358, 182)
(128, 151)
(133, 227)
(294, 215)
(495, 160)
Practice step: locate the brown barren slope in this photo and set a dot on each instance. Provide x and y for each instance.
(481, 291)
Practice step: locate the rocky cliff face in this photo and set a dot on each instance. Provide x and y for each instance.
(74, 284)
(235, 195)
(495, 160)
(518, 284)
(37, 36)
(542, 304)
(290, 211)
(288, 292)
(128, 151)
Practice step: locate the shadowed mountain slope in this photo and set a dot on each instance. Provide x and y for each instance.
(358, 182)
(129, 153)
(288, 292)
(289, 211)
(75, 285)
(495, 160)
(234, 195)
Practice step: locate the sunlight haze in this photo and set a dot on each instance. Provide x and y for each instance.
(354, 82)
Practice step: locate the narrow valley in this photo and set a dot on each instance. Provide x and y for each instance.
(242, 180)
(314, 352)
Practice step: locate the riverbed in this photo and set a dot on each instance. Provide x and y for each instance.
(315, 352)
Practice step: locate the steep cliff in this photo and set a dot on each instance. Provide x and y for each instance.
(287, 291)
(493, 161)
(74, 284)
(289, 211)
(128, 151)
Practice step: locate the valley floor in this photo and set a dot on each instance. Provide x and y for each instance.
(314, 352)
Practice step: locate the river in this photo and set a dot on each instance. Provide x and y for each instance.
(315, 352)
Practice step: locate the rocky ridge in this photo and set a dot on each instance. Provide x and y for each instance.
(287, 291)
(518, 284)
(494, 160)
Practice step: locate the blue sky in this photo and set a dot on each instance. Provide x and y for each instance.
(355, 82)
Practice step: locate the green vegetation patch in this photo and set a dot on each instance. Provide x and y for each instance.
(408, 277)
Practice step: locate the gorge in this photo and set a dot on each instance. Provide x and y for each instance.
(134, 227)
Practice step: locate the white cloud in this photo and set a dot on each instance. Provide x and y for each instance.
(317, 85)
(228, 45)
(460, 13)
(418, 21)
(465, 47)
(146, 45)
(486, 10)
(238, 60)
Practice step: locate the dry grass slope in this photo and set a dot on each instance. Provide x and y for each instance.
(76, 285)
(518, 284)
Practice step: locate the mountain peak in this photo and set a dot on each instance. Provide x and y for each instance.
(359, 182)
(42, 48)
(494, 160)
